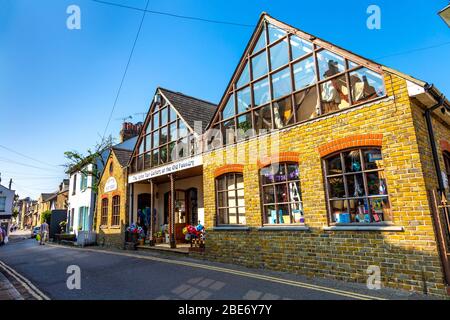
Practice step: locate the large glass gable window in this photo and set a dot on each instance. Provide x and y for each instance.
(286, 71)
(166, 138)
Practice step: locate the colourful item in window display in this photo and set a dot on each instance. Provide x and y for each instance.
(343, 217)
(298, 216)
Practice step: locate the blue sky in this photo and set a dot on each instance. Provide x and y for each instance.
(57, 86)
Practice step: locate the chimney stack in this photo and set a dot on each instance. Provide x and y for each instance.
(130, 130)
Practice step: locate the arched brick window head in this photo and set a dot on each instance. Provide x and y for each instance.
(360, 140)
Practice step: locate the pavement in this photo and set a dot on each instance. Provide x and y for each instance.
(7, 290)
(51, 272)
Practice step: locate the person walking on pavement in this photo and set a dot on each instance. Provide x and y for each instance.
(44, 232)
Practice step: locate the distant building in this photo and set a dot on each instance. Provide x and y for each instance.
(6, 206)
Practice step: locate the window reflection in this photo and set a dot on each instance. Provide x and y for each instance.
(243, 100)
(334, 95)
(263, 119)
(245, 77)
(228, 131)
(281, 83)
(329, 64)
(229, 111)
(261, 41)
(300, 47)
(244, 126)
(261, 92)
(307, 104)
(275, 33)
(304, 73)
(282, 113)
(279, 55)
(366, 85)
(259, 65)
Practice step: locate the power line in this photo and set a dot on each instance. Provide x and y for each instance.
(26, 165)
(173, 15)
(25, 156)
(414, 50)
(125, 72)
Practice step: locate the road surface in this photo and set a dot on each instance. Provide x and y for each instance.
(136, 275)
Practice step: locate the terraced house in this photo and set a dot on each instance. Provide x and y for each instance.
(321, 162)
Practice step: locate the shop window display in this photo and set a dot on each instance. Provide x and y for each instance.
(356, 187)
(281, 194)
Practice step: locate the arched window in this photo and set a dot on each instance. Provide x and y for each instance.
(104, 217)
(230, 199)
(281, 194)
(111, 168)
(356, 187)
(115, 220)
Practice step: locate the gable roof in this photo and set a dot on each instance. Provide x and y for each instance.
(47, 196)
(266, 18)
(190, 109)
(123, 156)
(253, 42)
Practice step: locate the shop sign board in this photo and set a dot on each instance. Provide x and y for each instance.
(110, 185)
(167, 169)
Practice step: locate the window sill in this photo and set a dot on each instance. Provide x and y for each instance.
(231, 228)
(386, 228)
(115, 227)
(284, 228)
(103, 227)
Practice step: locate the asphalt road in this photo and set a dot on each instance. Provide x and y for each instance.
(135, 276)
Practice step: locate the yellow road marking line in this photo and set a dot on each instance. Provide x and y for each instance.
(31, 288)
(300, 284)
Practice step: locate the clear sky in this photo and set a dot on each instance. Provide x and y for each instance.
(57, 86)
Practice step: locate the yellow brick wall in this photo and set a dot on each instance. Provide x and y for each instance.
(112, 236)
(408, 259)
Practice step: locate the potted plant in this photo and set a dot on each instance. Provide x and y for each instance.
(158, 237)
(63, 225)
(136, 234)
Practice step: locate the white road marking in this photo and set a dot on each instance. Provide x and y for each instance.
(31, 288)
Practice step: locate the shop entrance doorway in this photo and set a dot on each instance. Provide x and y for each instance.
(144, 203)
(186, 210)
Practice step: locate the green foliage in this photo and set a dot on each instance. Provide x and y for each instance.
(15, 213)
(46, 216)
(87, 164)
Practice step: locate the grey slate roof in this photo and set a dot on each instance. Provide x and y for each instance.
(47, 196)
(123, 156)
(191, 109)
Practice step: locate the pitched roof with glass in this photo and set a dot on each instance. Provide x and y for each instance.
(287, 76)
(168, 132)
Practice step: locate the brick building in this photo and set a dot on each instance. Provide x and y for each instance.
(111, 217)
(321, 162)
